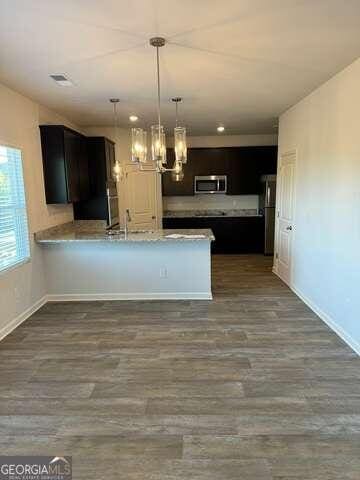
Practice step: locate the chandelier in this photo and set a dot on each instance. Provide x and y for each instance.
(139, 153)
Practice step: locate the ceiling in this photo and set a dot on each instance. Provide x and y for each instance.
(239, 63)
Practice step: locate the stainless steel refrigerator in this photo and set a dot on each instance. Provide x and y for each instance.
(267, 209)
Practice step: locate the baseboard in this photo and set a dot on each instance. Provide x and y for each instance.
(351, 342)
(22, 317)
(83, 297)
(100, 297)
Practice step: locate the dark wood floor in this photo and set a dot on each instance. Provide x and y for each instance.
(249, 386)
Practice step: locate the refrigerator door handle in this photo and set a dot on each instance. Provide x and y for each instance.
(268, 196)
(109, 210)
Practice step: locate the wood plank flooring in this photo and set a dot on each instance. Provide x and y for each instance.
(249, 386)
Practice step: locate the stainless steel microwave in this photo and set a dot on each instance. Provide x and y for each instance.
(210, 184)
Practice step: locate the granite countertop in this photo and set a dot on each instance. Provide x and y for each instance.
(94, 231)
(211, 213)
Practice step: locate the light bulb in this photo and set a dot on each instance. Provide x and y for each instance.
(177, 177)
(138, 148)
(158, 144)
(180, 144)
(117, 171)
(178, 167)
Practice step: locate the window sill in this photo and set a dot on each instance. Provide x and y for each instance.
(15, 266)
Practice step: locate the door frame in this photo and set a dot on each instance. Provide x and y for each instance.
(293, 153)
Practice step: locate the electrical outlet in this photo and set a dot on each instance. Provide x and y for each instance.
(163, 272)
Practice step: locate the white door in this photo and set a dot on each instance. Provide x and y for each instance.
(141, 199)
(285, 215)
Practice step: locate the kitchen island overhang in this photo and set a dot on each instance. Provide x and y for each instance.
(83, 262)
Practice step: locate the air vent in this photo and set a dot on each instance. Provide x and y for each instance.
(61, 80)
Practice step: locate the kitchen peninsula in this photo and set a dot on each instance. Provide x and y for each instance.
(83, 262)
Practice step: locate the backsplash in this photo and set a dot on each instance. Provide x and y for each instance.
(204, 202)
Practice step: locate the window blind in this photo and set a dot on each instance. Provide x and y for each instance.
(14, 234)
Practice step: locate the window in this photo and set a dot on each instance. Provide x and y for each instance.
(14, 234)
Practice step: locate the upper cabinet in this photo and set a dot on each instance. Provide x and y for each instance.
(186, 186)
(65, 164)
(246, 165)
(243, 166)
(101, 154)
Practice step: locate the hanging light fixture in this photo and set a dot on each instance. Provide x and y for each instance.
(158, 141)
(117, 172)
(138, 145)
(179, 136)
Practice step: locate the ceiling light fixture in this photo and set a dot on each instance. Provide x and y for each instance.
(179, 136)
(158, 142)
(133, 118)
(220, 129)
(117, 172)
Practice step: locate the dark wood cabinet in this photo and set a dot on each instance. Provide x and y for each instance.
(65, 164)
(247, 165)
(244, 175)
(101, 156)
(232, 234)
(209, 161)
(243, 166)
(201, 161)
(109, 156)
(186, 186)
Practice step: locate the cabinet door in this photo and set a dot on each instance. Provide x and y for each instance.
(267, 160)
(209, 161)
(186, 186)
(71, 148)
(232, 234)
(83, 165)
(244, 175)
(55, 179)
(110, 159)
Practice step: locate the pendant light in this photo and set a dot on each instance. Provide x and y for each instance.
(117, 171)
(138, 145)
(158, 141)
(179, 136)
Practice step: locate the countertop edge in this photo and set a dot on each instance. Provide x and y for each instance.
(70, 234)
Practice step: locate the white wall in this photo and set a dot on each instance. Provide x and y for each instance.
(140, 274)
(22, 287)
(325, 130)
(121, 137)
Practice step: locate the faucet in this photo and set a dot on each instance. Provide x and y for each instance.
(127, 218)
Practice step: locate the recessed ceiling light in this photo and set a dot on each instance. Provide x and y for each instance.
(133, 118)
(220, 128)
(61, 80)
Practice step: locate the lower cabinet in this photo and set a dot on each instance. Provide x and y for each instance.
(232, 234)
